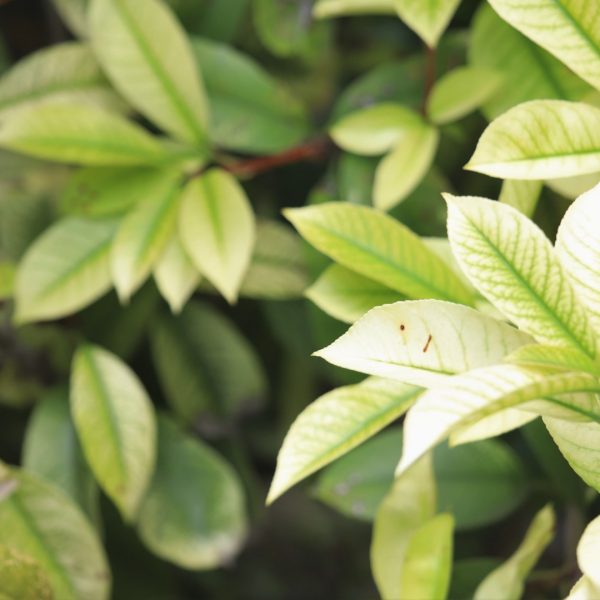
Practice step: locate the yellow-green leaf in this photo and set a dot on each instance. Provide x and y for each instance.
(427, 18)
(324, 9)
(521, 194)
(22, 578)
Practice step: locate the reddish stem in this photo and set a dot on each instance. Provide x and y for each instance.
(430, 73)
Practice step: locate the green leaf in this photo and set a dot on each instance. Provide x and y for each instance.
(423, 342)
(380, 248)
(521, 194)
(147, 56)
(79, 134)
(40, 521)
(175, 275)
(573, 187)
(566, 28)
(115, 423)
(193, 515)
(217, 229)
(541, 139)
(250, 111)
(7, 278)
(324, 9)
(353, 414)
(21, 577)
(401, 171)
(427, 19)
(507, 581)
(145, 231)
(375, 129)
(511, 262)
(66, 72)
(466, 575)
(460, 92)
(52, 451)
(567, 359)
(52, 283)
(528, 72)
(347, 296)
(588, 551)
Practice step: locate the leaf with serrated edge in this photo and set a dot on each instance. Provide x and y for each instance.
(521, 194)
(428, 19)
(352, 414)
(115, 422)
(423, 342)
(512, 263)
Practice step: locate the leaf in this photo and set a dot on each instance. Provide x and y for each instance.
(21, 577)
(65, 72)
(376, 129)
(480, 393)
(40, 521)
(588, 551)
(528, 72)
(7, 279)
(567, 359)
(427, 19)
(115, 422)
(79, 134)
(324, 9)
(145, 231)
(507, 581)
(466, 575)
(513, 264)
(573, 187)
(566, 28)
(148, 58)
(73, 12)
(175, 275)
(584, 589)
(541, 139)
(422, 342)
(347, 296)
(521, 194)
(352, 414)
(193, 515)
(52, 283)
(52, 451)
(401, 171)
(460, 92)
(378, 247)
(578, 249)
(217, 229)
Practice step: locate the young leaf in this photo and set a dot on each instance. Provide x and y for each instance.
(42, 522)
(380, 248)
(401, 171)
(427, 19)
(217, 229)
(513, 264)
(52, 283)
(507, 581)
(147, 56)
(566, 28)
(521, 194)
(79, 134)
(145, 231)
(353, 414)
(541, 139)
(375, 129)
(115, 423)
(324, 9)
(460, 92)
(423, 342)
(193, 514)
(22, 577)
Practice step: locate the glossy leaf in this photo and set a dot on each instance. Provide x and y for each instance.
(521, 194)
(147, 56)
(428, 19)
(22, 577)
(115, 422)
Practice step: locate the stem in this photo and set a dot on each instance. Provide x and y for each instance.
(430, 73)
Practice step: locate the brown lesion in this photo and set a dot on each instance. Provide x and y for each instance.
(402, 327)
(426, 346)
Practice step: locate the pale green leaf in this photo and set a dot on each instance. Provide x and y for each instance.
(460, 92)
(423, 342)
(22, 578)
(347, 296)
(147, 56)
(334, 424)
(115, 422)
(573, 187)
(380, 248)
(401, 171)
(427, 18)
(584, 589)
(567, 359)
(217, 229)
(375, 129)
(145, 231)
(38, 520)
(79, 134)
(193, 515)
(588, 551)
(513, 264)
(175, 275)
(52, 283)
(507, 581)
(541, 139)
(568, 29)
(324, 9)
(521, 194)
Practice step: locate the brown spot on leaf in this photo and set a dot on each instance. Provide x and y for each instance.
(426, 346)
(402, 327)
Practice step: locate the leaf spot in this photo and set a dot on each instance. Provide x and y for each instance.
(426, 346)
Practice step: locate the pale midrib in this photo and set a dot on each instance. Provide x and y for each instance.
(582, 32)
(413, 367)
(530, 158)
(576, 409)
